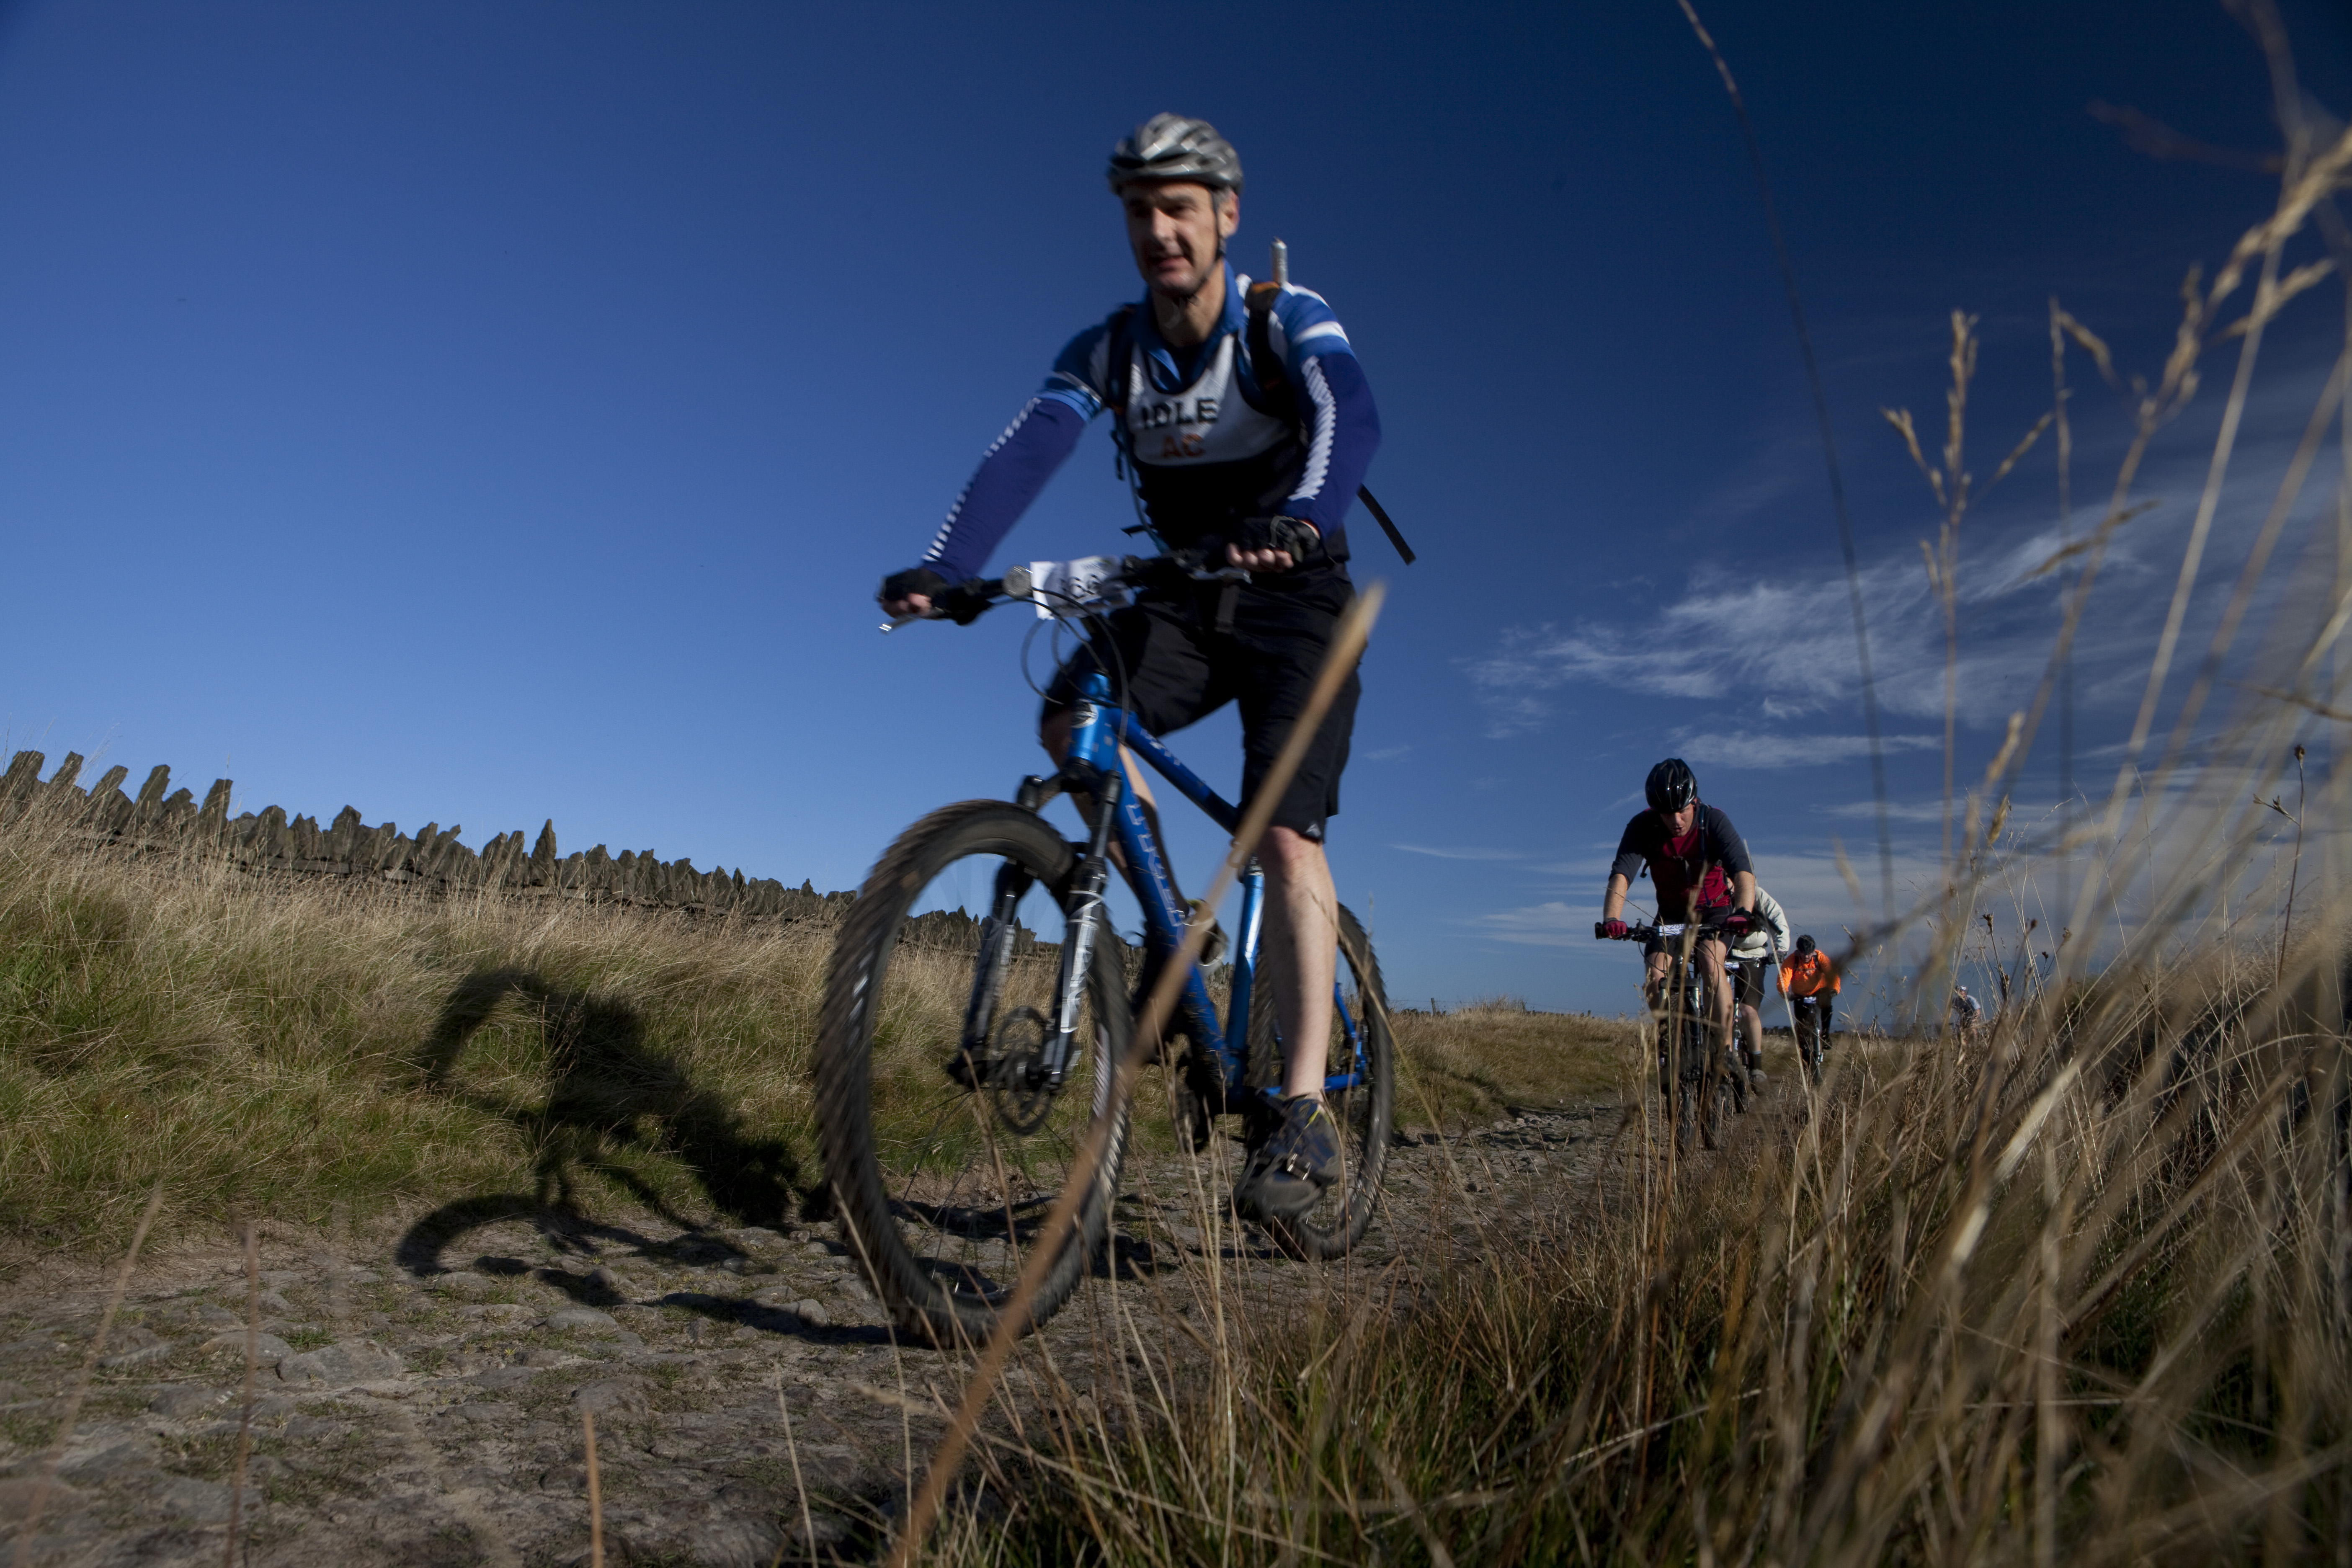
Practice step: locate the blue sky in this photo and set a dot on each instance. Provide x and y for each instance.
(489, 413)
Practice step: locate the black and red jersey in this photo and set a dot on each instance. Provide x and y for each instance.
(1702, 861)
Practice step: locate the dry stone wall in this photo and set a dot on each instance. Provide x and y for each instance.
(162, 820)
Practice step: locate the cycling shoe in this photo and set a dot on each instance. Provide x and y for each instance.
(1291, 1170)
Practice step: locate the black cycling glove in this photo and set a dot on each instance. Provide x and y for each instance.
(962, 602)
(1306, 545)
(914, 580)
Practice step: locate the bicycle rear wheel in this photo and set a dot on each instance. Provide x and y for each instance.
(1714, 1108)
(1360, 1048)
(946, 1138)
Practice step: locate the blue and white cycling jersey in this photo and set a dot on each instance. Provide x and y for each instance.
(1208, 447)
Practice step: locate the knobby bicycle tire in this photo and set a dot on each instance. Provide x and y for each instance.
(1365, 1113)
(942, 1304)
(1714, 1093)
(1682, 1059)
(1699, 1092)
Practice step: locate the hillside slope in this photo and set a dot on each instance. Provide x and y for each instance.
(266, 1043)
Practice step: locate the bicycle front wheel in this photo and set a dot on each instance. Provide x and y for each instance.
(949, 1129)
(1703, 1081)
(1361, 1058)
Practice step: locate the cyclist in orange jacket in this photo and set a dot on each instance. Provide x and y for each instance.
(1809, 980)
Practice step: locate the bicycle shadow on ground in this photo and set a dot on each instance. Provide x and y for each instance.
(610, 1094)
(426, 1248)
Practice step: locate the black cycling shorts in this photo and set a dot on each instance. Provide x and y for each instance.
(1748, 985)
(1184, 656)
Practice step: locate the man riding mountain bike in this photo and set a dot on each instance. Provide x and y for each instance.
(1699, 866)
(1246, 425)
(1809, 977)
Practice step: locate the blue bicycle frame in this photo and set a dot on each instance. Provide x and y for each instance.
(1100, 729)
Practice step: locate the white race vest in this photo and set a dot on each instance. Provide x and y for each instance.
(1208, 422)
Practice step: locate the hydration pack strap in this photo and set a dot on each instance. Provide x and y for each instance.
(1273, 388)
(1115, 367)
(1381, 515)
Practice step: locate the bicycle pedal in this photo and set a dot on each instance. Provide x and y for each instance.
(961, 1070)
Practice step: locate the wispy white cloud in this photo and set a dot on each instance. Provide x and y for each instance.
(1897, 811)
(1740, 749)
(1790, 642)
(1388, 753)
(1461, 854)
(1553, 923)
(1782, 639)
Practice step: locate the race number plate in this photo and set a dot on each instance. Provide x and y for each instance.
(1062, 586)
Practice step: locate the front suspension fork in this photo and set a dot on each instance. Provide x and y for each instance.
(996, 961)
(1085, 917)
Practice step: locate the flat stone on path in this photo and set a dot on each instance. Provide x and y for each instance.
(582, 1318)
(201, 1501)
(615, 1395)
(340, 1366)
(16, 1498)
(268, 1350)
(187, 1399)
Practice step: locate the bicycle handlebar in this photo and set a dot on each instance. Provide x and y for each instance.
(1020, 585)
(1663, 931)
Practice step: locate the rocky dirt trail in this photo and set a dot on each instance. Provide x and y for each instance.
(420, 1396)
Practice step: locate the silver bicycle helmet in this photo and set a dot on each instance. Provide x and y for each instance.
(1176, 147)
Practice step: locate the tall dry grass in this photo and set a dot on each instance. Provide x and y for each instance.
(2082, 1292)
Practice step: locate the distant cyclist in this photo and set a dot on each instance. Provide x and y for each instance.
(1699, 866)
(1247, 424)
(1753, 956)
(1967, 1013)
(1809, 978)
